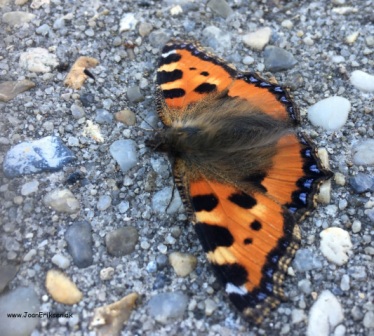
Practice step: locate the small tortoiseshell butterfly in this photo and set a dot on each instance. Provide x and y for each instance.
(245, 175)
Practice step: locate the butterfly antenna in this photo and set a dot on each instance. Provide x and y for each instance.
(152, 128)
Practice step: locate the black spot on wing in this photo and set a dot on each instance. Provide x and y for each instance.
(204, 202)
(233, 273)
(172, 58)
(255, 225)
(248, 241)
(173, 93)
(192, 68)
(205, 88)
(243, 200)
(168, 76)
(212, 236)
(204, 73)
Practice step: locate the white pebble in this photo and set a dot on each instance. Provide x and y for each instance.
(60, 261)
(335, 245)
(356, 226)
(128, 22)
(363, 153)
(125, 153)
(29, 188)
(330, 113)
(104, 202)
(38, 60)
(345, 283)
(247, 60)
(259, 39)
(287, 24)
(362, 81)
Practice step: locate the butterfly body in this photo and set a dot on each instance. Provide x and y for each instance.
(245, 175)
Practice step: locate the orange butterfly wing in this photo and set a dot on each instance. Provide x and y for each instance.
(250, 238)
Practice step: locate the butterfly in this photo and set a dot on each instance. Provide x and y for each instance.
(245, 175)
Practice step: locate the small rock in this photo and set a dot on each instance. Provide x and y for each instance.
(7, 274)
(330, 113)
(106, 273)
(176, 10)
(77, 111)
(17, 18)
(351, 38)
(345, 283)
(60, 261)
(62, 200)
(356, 226)
(277, 59)
(247, 60)
(11, 89)
(35, 4)
(158, 38)
(125, 154)
(363, 153)
(335, 245)
(215, 38)
(128, 22)
(87, 100)
(104, 202)
(369, 320)
(61, 288)
(166, 307)
(358, 273)
(164, 201)
(122, 241)
(325, 314)
(362, 81)
(46, 154)
(362, 182)
(145, 28)
(305, 260)
(298, 315)
(134, 94)
(38, 60)
(287, 24)
(210, 307)
(126, 117)
(357, 314)
(340, 330)
(29, 188)
(43, 30)
(220, 7)
(79, 240)
(182, 263)
(110, 319)
(305, 286)
(339, 179)
(103, 117)
(19, 301)
(123, 207)
(258, 39)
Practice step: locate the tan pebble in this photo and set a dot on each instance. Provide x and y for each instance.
(76, 76)
(182, 263)
(107, 273)
(109, 320)
(324, 194)
(339, 179)
(126, 117)
(350, 39)
(61, 288)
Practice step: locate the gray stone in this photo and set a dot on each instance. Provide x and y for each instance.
(19, 301)
(79, 240)
(167, 307)
(145, 28)
(277, 59)
(221, 7)
(217, 39)
(44, 30)
(164, 201)
(158, 38)
(363, 153)
(62, 200)
(369, 320)
(38, 60)
(77, 111)
(122, 241)
(357, 313)
(134, 94)
(17, 18)
(46, 154)
(7, 274)
(305, 260)
(345, 283)
(362, 182)
(60, 261)
(11, 89)
(305, 286)
(125, 153)
(104, 202)
(103, 117)
(29, 188)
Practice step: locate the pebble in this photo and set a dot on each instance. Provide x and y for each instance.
(87, 99)
(335, 245)
(325, 314)
(7, 274)
(166, 307)
(161, 201)
(330, 113)
(305, 260)
(358, 273)
(145, 28)
(259, 39)
(122, 241)
(79, 240)
(340, 330)
(45, 154)
(362, 182)
(210, 307)
(29, 188)
(43, 30)
(277, 59)
(369, 320)
(363, 153)
(134, 95)
(151, 267)
(351, 38)
(128, 22)
(298, 315)
(104, 202)
(357, 313)
(345, 283)
(77, 111)
(106, 273)
(103, 117)
(287, 24)
(182, 263)
(61, 288)
(11, 89)
(247, 60)
(123, 207)
(220, 7)
(126, 117)
(305, 286)
(60, 261)
(158, 38)
(356, 226)
(217, 39)
(38, 60)
(370, 214)
(339, 179)
(19, 301)
(125, 154)
(362, 81)
(17, 18)
(62, 200)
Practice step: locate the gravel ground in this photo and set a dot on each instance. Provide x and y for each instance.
(320, 35)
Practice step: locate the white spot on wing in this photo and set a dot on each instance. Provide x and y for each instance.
(230, 288)
(168, 53)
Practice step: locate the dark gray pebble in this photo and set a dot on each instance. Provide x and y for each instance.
(277, 59)
(79, 239)
(87, 99)
(134, 94)
(122, 241)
